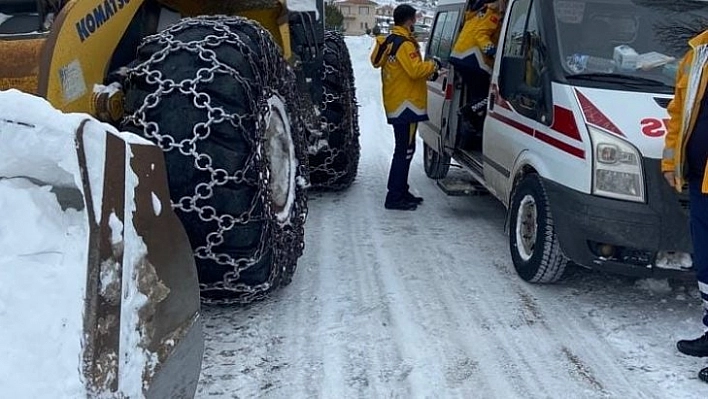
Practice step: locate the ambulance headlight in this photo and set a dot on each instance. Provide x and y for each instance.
(617, 167)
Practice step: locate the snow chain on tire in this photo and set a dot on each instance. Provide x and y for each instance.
(335, 149)
(224, 70)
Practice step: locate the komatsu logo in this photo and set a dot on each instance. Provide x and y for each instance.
(90, 23)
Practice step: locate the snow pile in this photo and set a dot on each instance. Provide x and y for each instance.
(674, 260)
(42, 270)
(654, 286)
(133, 358)
(43, 252)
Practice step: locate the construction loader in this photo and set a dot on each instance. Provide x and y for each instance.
(251, 102)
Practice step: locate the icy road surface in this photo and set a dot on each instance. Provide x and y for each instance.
(426, 304)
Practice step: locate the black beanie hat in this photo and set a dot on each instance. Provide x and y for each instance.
(403, 13)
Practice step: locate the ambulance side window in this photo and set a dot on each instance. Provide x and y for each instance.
(524, 39)
(443, 32)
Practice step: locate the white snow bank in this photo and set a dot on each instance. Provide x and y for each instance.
(42, 281)
(48, 140)
(43, 252)
(133, 358)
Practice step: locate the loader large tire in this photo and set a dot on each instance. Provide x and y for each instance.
(334, 157)
(216, 94)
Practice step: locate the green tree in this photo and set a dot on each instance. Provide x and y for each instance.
(334, 20)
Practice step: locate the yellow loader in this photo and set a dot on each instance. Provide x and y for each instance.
(251, 103)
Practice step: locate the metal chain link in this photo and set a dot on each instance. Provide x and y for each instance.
(272, 76)
(319, 144)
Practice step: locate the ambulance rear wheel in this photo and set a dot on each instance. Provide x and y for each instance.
(533, 241)
(436, 165)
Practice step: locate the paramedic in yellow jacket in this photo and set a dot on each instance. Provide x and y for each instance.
(686, 159)
(473, 52)
(405, 97)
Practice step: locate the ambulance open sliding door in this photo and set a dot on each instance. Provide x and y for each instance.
(440, 91)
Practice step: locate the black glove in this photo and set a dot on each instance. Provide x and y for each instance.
(438, 63)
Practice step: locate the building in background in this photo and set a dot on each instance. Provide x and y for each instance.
(359, 15)
(384, 18)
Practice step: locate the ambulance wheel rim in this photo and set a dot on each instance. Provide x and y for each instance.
(526, 227)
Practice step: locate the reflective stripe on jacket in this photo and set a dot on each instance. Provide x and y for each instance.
(691, 82)
(403, 76)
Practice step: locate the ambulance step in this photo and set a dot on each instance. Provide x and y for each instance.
(459, 183)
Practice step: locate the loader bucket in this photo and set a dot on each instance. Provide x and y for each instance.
(98, 289)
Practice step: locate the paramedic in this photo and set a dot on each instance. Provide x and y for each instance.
(403, 76)
(473, 52)
(686, 159)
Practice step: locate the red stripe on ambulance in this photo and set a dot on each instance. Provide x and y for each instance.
(565, 147)
(594, 116)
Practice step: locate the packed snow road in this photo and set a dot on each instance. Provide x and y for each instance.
(427, 304)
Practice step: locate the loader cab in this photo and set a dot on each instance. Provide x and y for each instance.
(20, 17)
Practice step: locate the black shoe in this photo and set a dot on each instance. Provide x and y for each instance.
(412, 198)
(703, 374)
(402, 205)
(696, 347)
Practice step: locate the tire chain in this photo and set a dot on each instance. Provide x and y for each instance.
(349, 125)
(269, 71)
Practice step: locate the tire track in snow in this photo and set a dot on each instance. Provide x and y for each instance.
(427, 304)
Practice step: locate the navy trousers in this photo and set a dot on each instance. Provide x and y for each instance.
(401, 163)
(699, 234)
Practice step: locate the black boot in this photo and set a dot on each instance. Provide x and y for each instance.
(703, 374)
(400, 205)
(412, 198)
(696, 347)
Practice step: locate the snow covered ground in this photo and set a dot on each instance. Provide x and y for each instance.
(427, 304)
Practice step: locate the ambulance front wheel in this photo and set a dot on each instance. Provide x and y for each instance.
(436, 165)
(533, 241)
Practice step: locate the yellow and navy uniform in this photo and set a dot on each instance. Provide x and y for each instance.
(403, 76)
(688, 113)
(476, 45)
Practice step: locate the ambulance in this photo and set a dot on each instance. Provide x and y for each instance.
(573, 133)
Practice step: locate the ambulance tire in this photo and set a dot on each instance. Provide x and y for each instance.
(435, 164)
(334, 165)
(535, 250)
(237, 189)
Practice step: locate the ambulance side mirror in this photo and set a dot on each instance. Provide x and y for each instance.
(511, 76)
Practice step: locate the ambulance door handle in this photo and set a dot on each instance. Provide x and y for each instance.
(444, 84)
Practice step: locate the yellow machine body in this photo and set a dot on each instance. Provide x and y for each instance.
(64, 64)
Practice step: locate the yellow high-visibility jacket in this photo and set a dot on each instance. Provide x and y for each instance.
(691, 82)
(403, 76)
(477, 43)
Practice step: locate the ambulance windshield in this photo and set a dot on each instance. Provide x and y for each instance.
(637, 43)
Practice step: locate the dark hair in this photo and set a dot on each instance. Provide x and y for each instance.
(403, 13)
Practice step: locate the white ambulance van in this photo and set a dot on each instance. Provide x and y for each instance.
(573, 134)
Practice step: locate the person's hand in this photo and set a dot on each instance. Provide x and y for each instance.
(438, 63)
(670, 178)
